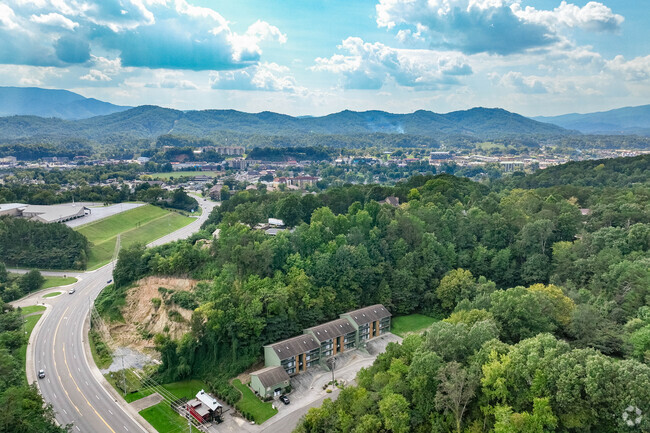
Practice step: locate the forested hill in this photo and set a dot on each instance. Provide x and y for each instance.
(151, 121)
(52, 103)
(627, 120)
(615, 172)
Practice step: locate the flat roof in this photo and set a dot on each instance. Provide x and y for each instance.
(368, 314)
(271, 376)
(295, 346)
(54, 212)
(9, 206)
(333, 329)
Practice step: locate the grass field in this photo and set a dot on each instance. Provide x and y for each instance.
(32, 309)
(51, 295)
(30, 322)
(249, 402)
(177, 174)
(57, 281)
(403, 325)
(161, 416)
(143, 224)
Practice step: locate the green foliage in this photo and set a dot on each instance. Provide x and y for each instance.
(34, 244)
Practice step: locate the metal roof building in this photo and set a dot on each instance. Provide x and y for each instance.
(329, 330)
(368, 314)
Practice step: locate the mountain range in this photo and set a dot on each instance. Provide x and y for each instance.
(52, 103)
(47, 114)
(627, 120)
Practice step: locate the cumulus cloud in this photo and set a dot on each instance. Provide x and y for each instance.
(370, 65)
(265, 76)
(171, 80)
(157, 34)
(95, 75)
(491, 26)
(523, 84)
(55, 20)
(637, 69)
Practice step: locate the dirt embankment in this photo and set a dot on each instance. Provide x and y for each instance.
(150, 310)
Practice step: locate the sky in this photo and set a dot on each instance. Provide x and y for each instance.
(314, 57)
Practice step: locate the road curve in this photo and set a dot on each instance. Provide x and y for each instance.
(71, 383)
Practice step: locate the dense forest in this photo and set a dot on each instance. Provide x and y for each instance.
(34, 244)
(520, 276)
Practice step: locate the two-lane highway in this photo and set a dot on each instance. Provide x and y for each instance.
(71, 385)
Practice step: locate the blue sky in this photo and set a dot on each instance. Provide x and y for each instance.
(535, 57)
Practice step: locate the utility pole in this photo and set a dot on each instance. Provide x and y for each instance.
(189, 423)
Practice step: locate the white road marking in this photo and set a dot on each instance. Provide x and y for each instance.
(54, 394)
(126, 428)
(97, 396)
(48, 380)
(65, 411)
(78, 428)
(109, 411)
(86, 382)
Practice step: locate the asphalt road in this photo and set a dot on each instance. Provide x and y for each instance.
(71, 385)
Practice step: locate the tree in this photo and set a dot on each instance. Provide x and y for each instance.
(456, 285)
(290, 210)
(394, 410)
(456, 389)
(31, 281)
(3, 273)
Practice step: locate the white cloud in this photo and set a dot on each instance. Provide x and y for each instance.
(637, 69)
(95, 75)
(55, 20)
(370, 65)
(156, 34)
(523, 84)
(593, 16)
(493, 26)
(265, 76)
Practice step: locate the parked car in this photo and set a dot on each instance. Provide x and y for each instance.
(41, 374)
(71, 291)
(284, 399)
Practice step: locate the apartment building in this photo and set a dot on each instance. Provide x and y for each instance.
(369, 322)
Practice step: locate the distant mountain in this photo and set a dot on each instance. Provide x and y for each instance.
(149, 122)
(628, 120)
(62, 104)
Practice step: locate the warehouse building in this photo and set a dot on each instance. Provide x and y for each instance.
(46, 214)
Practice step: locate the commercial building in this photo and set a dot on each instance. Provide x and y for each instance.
(46, 214)
(270, 382)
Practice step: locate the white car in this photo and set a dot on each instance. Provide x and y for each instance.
(71, 291)
(41, 374)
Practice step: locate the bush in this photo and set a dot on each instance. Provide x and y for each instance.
(185, 300)
(156, 302)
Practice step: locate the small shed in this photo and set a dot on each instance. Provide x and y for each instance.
(270, 381)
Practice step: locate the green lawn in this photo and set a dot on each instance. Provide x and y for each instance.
(161, 416)
(57, 281)
(51, 295)
(177, 174)
(143, 224)
(101, 353)
(30, 322)
(164, 419)
(32, 309)
(249, 402)
(403, 325)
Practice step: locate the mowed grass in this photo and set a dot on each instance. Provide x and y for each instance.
(161, 416)
(403, 325)
(249, 402)
(32, 309)
(164, 419)
(51, 295)
(29, 324)
(177, 174)
(143, 224)
(57, 281)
